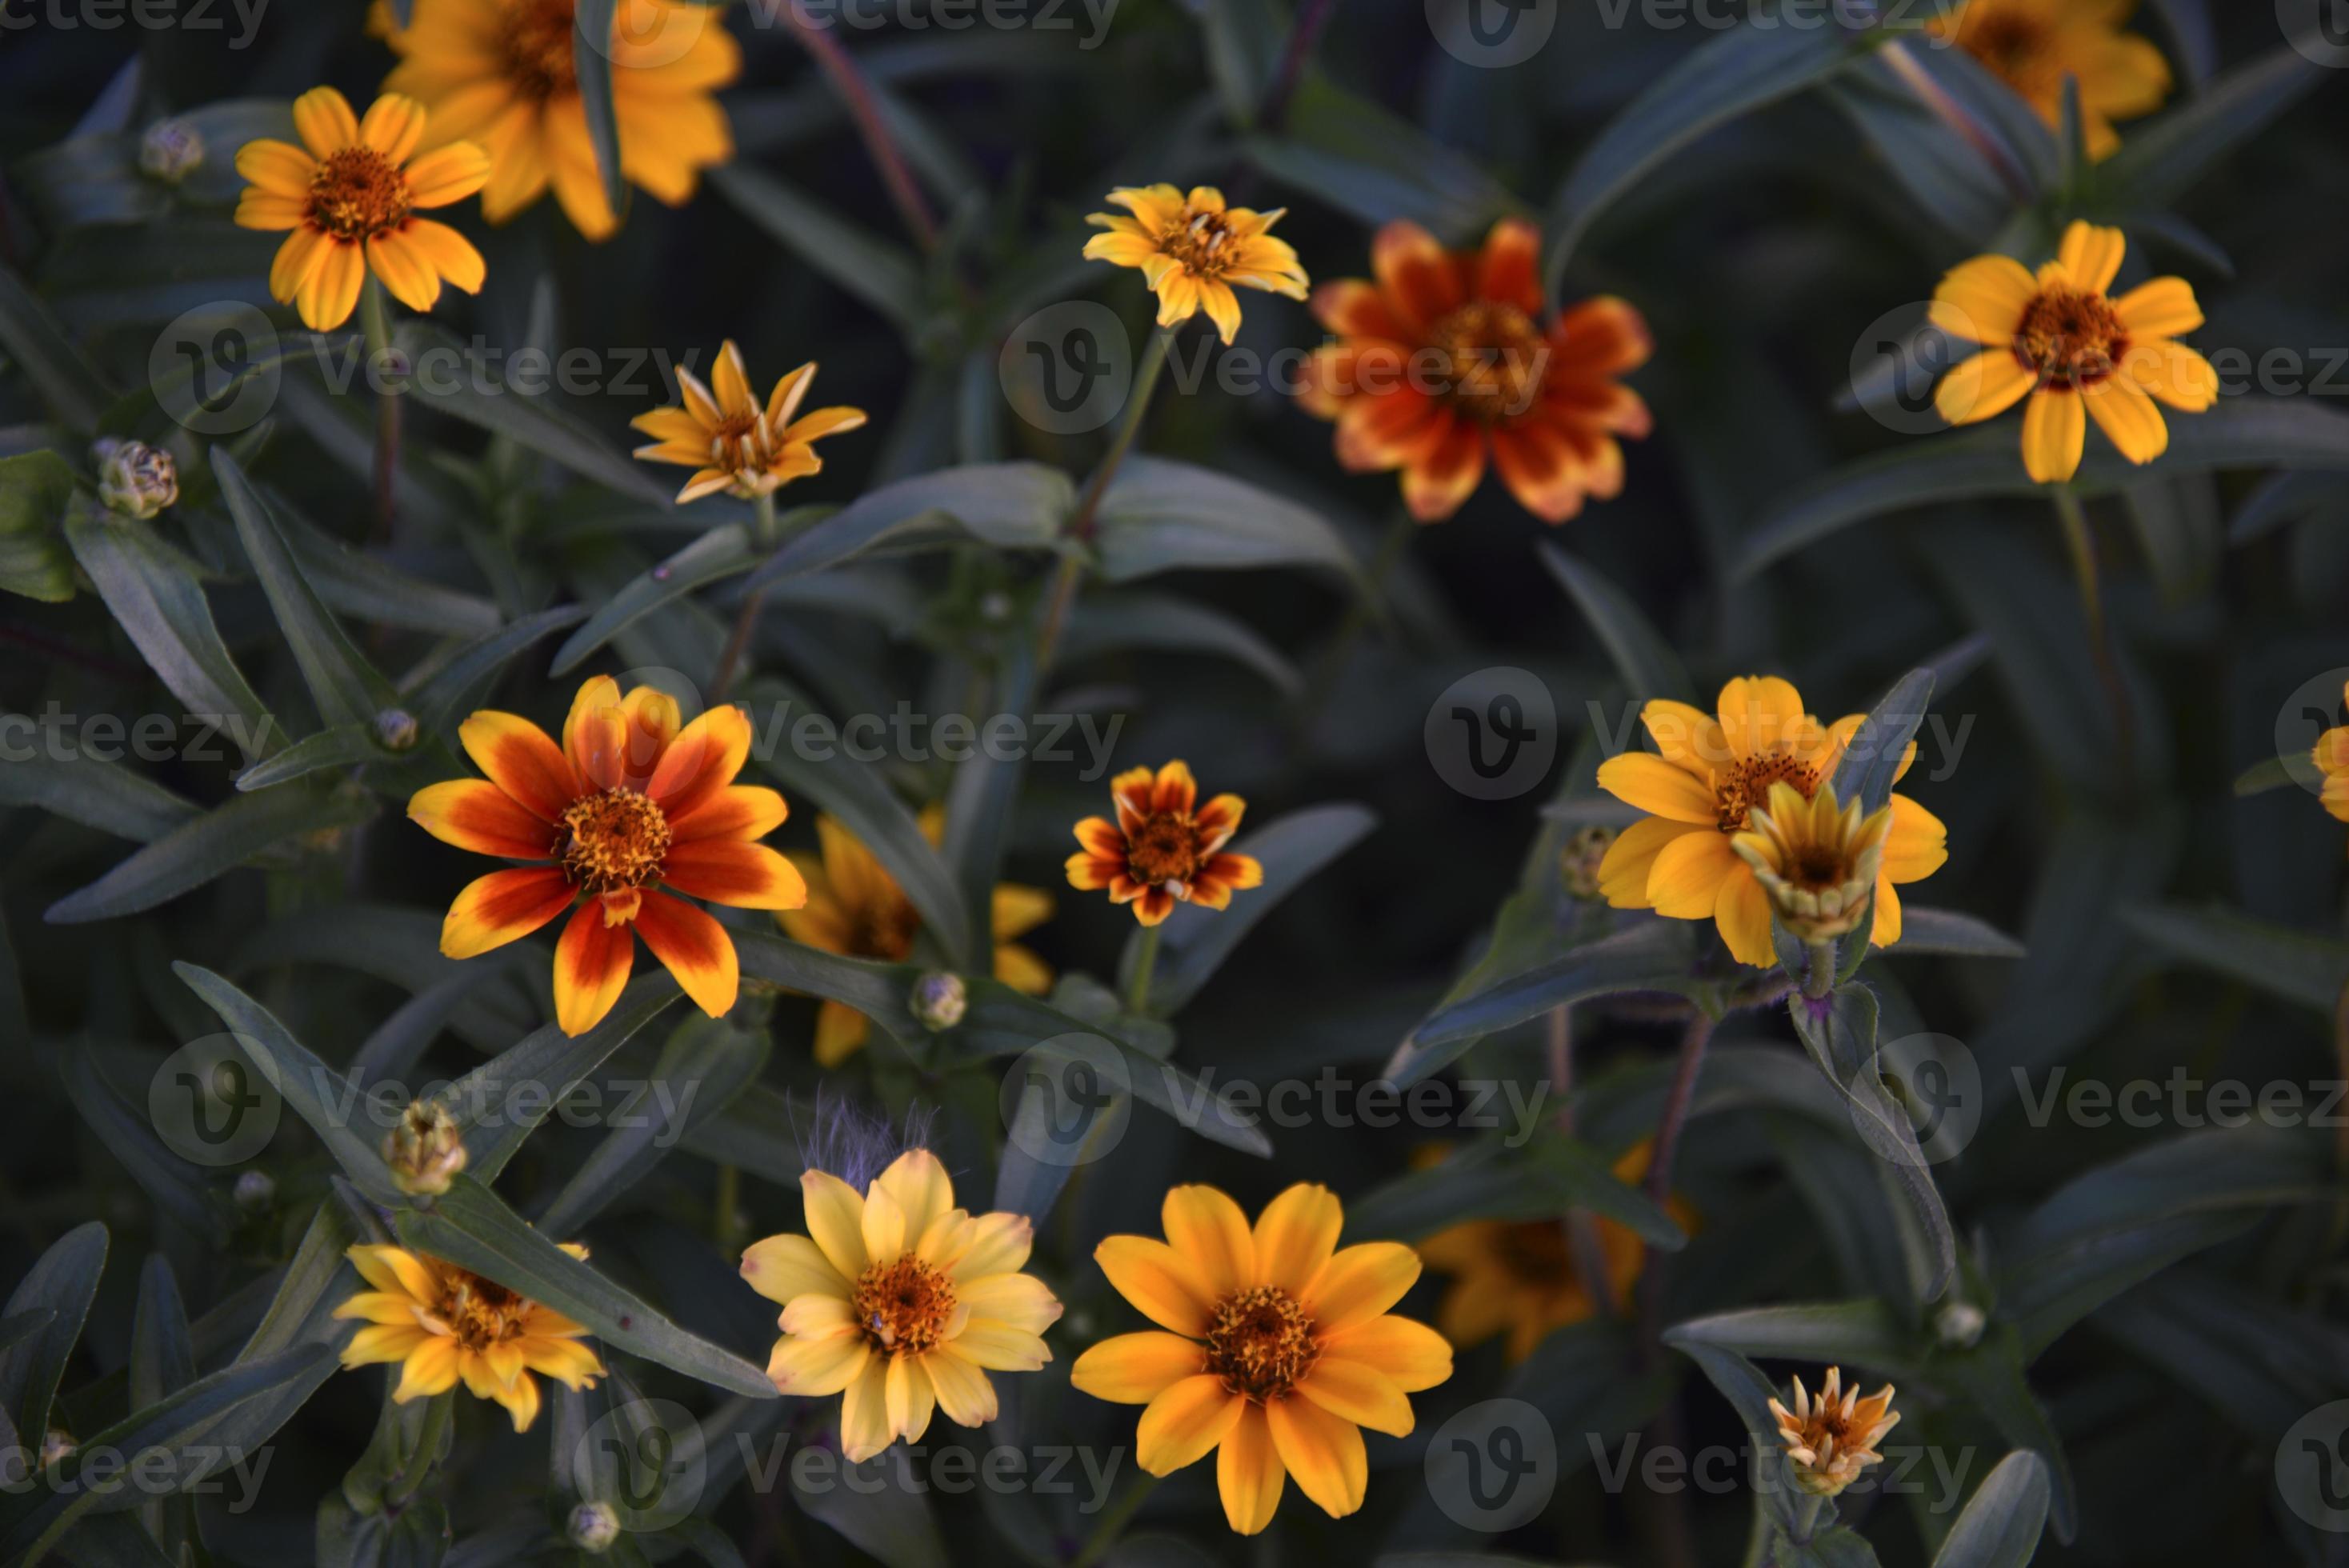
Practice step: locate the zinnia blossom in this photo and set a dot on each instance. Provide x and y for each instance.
(900, 1302)
(350, 193)
(1194, 251)
(856, 908)
(1161, 851)
(1714, 771)
(501, 73)
(1278, 1350)
(731, 442)
(2033, 44)
(1541, 404)
(2055, 337)
(627, 805)
(443, 1323)
(1830, 1439)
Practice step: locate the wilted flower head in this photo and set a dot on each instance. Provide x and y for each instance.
(1817, 860)
(426, 1152)
(170, 150)
(136, 479)
(1830, 1439)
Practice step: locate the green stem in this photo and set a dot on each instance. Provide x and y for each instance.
(1146, 377)
(1694, 1040)
(1818, 969)
(421, 1464)
(2080, 543)
(767, 535)
(375, 326)
(1113, 1522)
(1137, 990)
(1808, 1509)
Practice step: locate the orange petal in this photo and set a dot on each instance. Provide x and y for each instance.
(1508, 272)
(1208, 1229)
(1296, 1235)
(1441, 481)
(1358, 1284)
(591, 968)
(733, 871)
(1685, 883)
(475, 814)
(1418, 278)
(693, 948)
(1174, 790)
(1136, 1369)
(1323, 1452)
(1657, 787)
(322, 118)
(1623, 872)
(1168, 1288)
(1184, 1424)
(502, 907)
(522, 760)
(737, 811)
(703, 759)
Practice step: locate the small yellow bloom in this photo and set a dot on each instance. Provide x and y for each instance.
(1279, 1348)
(733, 444)
(629, 804)
(1714, 771)
(350, 193)
(501, 73)
(2331, 759)
(444, 1323)
(856, 908)
(2033, 44)
(2057, 338)
(1818, 863)
(900, 1302)
(1164, 849)
(1192, 251)
(1831, 1439)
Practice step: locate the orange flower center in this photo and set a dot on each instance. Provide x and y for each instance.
(479, 1312)
(536, 45)
(885, 928)
(1497, 357)
(356, 194)
(1202, 241)
(2070, 338)
(2009, 42)
(743, 445)
(1260, 1343)
(1535, 1252)
(616, 839)
(1164, 849)
(904, 1307)
(1747, 785)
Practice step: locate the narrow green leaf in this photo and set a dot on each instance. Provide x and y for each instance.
(724, 551)
(345, 746)
(1013, 505)
(591, 53)
(1367, 160)
(1861, 1332)
(204, 848)
(984, 797)
(1488, 1180)
(176, 1186)
(1953, 933)
(72, 784)
(2158, 161)
(73, 389)
(1646, 661)
(503, 1101)
(436, 699)
(861, 264)
(2003, 1520)
(1163, 623)
(35, 490)
(1160, 515)
(2311, 971)
(1873, 756)
(860, 797)
(62, 1282)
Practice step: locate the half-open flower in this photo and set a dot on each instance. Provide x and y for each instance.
(627, 805)
(443, 1323)
(900, 1302)
(2055, 338)
(1817, 862)
(1278, 1348)
(350, 194)
(1194, 251)
(732, 442)
(1164, 849)
(1830, 1439)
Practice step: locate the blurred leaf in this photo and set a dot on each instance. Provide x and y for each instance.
(1488, 1180)
(81, 789)
(592, 43)
(344, 747)
(1163, 623)
(724, 551)
(318, 1094)
(1195, 942)
(2159, 160)
(2180, 532)
(705, 1064)
(1951, 932)
(74, 391)
(1749, 1393)
(859, 795)
(1244, 39)
(1640, 656)
(2257, 1365)
(1876, 749)
(176, 1186)
(881, 1508)
(470, 1228)
(359, 584)
(209, 846)
(876, 990)
(1005, 504)
(2285, 497)
(1163, 516)
(436, 697)
(504, 1101)
(983, 799)
(2310, 971)
(34, 490)
(62, 1283)
(861, 264)
(1377, 166)
(2003, 1520)
(1855, 1333)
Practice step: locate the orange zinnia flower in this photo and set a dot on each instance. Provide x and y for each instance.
(1161, 851)
(627, 803)
(1542, 403)
(350, 201)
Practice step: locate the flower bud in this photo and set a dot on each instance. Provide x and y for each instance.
(255, 1191)
(938, 1000)
(594, 1527)
(135, 478)
(425, 1151)
(57, 1444)
(1830, 1439)
(1817, 860)
(396, 729)
(1577, 864)
(1959, 1325)
(170, 150)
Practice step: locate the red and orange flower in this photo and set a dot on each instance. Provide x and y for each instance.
(1444, 365)
(630, 803)
(1164, 849)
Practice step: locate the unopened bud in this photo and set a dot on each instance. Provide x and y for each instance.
(254, 1192)
(1959, 1325)
(135, 478)
(595, 1526)
(170, 150)
(396, 729)
(938, 1000)
(425, 1151)
(57, 1444)
(1577, 864)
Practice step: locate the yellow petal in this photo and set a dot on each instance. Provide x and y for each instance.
(1760, 713)
(1209, 1230)
(1012, 1300)
(1742, 915)
(2128, 418)
(909, 1397)
(1983, 300)
(1623, 872)
(920, 1186)
(1249, 1476)
(1357, 1392)
(323, 120)
(1360, 1283)
(1982, 387)
(1323, 1452)
(1918, 845)
(1685, 884)
(2162, 308)
(1655, 786)
(2055, 433)
(782, 1267)
(1295, 1237)
(835, 1221)
(865, 1412)
(1162, 1282)
(1136, 1369)
(2093, 255)
(431, 1369)
(811, 1367)
(2174, 374)
(962, 1389)
(1411, 1354)
(884, 1230)
(1181, 1425)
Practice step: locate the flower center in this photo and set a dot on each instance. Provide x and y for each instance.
(1164, 849)
(1747, 784)
(536, 45)
(1202, 241)
(742, 445)
(2070, 338)
(1260, 1343)
(1535, 1252)
(480, 1313)
(2009, 42)
(904, 1307)
(885, 928)
(1497, 359)
(616, 838)
(357, 195)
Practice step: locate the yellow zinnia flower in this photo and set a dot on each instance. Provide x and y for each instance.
(733, 444)
(856, 908)
(1702, 792)
(628, 804)
(1192, 251)
(1831, 1439)
(900, 1302)
(2033, 44)
(1281, 1348)
(349, 194)
(2331, 759)
(501, 72)
(445, 1323)
(2057, 338)
(1161, 850)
